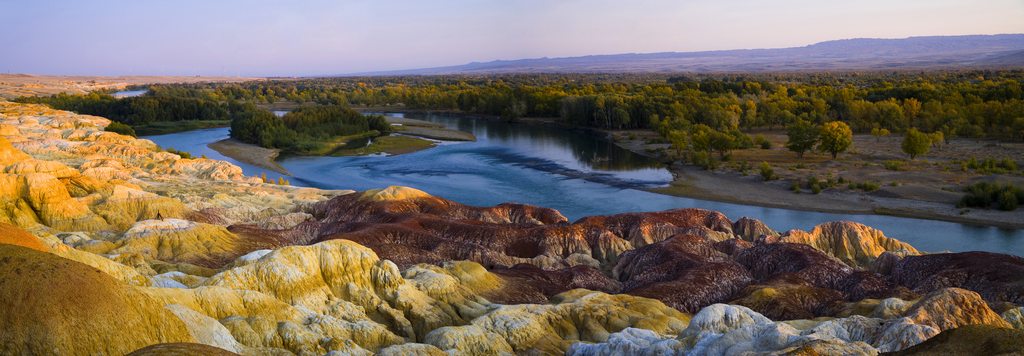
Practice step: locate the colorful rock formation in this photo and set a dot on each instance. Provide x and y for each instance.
(236, 266)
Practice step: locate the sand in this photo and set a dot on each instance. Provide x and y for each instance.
(250, 154)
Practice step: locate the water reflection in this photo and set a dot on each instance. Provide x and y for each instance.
(589, 152)
(558, 168)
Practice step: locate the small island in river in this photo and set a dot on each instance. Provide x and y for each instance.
(400, 143)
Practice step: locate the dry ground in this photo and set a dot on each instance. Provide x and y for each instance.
(13, 85)
(927, 187)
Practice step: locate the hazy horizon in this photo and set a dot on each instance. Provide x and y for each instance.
(263, 38)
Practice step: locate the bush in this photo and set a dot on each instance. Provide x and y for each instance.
(984, 194)
(1007, 201)
(183, 154)
(816, 189)
(895, 184)
(795, 186)
(1008, 164)
(766, 171)
(865, 186)
(766, 145)
(893, 165)
(699, 158)
(120, 128)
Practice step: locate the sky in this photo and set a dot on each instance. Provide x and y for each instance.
(309, 38)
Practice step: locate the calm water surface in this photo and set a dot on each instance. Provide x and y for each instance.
(577, 174)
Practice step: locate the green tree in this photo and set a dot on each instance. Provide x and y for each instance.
(802, 137)
(915, 143)
(878, 133)
(937, 139)
(722, 142)
(678, 139)
(836, 138)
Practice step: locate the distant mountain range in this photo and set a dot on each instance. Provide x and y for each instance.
(932, 52)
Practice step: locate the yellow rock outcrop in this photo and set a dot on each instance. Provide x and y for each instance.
(574, 316)
(853, 243)
(393, 193)
(56, 306)
(175, 240)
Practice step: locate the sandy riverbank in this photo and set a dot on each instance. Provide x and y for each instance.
(249, 154)
(426, 129)
(917, 194)
(264, 157)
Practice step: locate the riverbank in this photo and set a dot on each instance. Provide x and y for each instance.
(694, 182)
(921, 189)
(250, 154)
(927, 188)
(264, 157)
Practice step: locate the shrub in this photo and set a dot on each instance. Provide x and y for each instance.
(766, 171)
(120, 128)
(895, 184)
(816, 189)
(1007, 201)
(984, 194)
(766, 145)
(759, 139)
(795, 186)
(1008, 164)
(893, 165)
(812, 180)
(699, 158)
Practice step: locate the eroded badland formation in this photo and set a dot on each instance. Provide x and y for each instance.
(236, 266)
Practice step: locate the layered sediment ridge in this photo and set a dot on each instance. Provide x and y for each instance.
(157, 254)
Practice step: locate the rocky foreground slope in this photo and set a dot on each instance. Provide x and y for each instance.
(236, 266)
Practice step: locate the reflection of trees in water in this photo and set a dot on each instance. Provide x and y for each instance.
(590, 151)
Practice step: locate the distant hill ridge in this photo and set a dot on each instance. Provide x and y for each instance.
(927, 52)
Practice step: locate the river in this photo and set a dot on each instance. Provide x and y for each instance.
(577, 174)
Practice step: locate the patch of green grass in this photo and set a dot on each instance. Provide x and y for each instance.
(386, 144)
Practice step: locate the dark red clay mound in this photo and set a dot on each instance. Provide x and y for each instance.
(355, 208)
(788, 296)
(684, 272)
(526, 283)
(13, 235)
(426, 229)
(766, 260)
(52, 305)
(976, 339)
(994, 276)
(181, 349)
(868, 285)
(731, 247)
(646, 228)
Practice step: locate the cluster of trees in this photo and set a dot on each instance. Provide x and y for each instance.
(833, 137)
(304, 126)
(976, 104)
(138, 111)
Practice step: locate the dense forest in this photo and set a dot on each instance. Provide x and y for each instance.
(975, 104)
(141, 110)
(305, 129)
(302, 129)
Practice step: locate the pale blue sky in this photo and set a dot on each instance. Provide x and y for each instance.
(284, 38)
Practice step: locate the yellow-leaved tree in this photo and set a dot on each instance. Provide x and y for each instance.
(835, 137)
